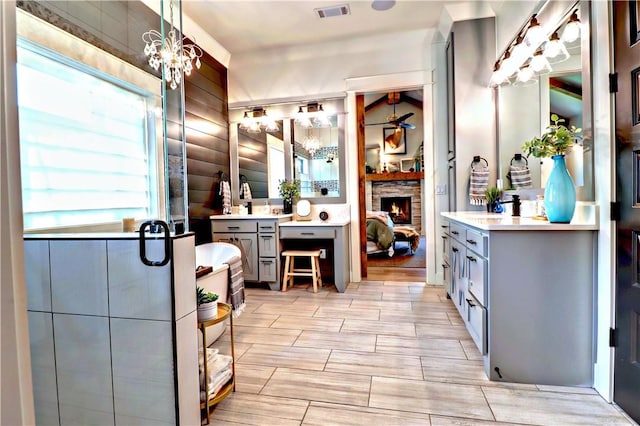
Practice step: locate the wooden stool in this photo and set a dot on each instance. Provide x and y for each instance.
(290, 271)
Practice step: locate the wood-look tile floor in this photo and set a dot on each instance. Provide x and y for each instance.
(381, 353)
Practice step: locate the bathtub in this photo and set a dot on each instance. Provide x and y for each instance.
(215, 255)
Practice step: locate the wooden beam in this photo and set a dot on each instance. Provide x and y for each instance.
(566, 88)
(362, 206)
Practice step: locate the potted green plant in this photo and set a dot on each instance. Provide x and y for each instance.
(556, 140)
(289, 189)
(207, 304)
(492, 195)
(559, 191)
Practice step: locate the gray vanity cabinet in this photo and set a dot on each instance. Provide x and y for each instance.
(249, 248)
(258, 238)
(526, 298)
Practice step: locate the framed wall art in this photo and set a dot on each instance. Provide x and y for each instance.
(395, 140)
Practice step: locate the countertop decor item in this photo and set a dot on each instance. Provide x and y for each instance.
(559, 192)
(289, 189)
(207, 304)
(493, 194)
(556, 140)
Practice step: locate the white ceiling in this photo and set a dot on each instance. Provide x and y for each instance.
(245, 25)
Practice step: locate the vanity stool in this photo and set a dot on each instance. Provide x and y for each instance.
(290, 271)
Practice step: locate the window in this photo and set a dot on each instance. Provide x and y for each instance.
(86, 143)
(275, 160)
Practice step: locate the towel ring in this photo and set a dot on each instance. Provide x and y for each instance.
(519, 157)
(477, 159)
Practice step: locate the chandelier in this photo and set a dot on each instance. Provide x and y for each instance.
(172, 53)
(311, 143)
(257, 121)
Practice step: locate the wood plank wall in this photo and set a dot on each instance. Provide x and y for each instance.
(117, 28)
(207, 135)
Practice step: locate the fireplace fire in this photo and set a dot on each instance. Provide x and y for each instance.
(399, 208)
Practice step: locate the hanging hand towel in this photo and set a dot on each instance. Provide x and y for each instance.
(236, 285)
(245, 191)
(225, 192)
(520, 177)
(478, 185)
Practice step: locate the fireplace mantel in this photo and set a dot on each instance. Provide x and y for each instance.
(395, 176)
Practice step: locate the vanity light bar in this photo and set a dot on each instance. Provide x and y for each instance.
(525, 58)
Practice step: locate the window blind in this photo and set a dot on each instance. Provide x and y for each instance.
(85, 143)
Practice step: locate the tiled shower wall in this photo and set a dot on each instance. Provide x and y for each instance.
(399, 188)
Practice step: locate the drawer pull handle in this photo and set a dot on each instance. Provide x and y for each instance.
(455, 250)
(470, 303)
(443, 226)
(266, 236)
(455, 232)
(444, 237)
(267, 228)
(472, 242)
(233, 227)
(267, 261)
(471, 258)
(307, 233)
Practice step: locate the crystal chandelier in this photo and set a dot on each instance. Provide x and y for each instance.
(174, 54)
(311, 142)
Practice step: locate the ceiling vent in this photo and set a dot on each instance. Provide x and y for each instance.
(328, 12)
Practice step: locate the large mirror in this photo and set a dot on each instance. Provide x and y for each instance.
(525, 110)
(309, 151)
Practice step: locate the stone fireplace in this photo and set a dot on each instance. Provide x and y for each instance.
(399, 209)
(411, 189)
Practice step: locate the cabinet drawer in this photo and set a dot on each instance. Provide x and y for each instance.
(234, 226)
(267, 246)
(457, 231)
(268, 269)
(477, 323)
(477, 242)
(307, 232)
(266, 226)
(477, 281)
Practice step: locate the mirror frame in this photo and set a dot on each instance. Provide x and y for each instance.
(557, 13)
(286, 113)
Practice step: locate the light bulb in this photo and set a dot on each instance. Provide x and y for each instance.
(539, 63)
(535, 34)
(571, 32)
(554, 50)
(525, 74)
(572, 29)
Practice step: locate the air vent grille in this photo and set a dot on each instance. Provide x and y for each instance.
(328, 12)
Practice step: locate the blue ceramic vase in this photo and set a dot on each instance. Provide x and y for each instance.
(560, 193)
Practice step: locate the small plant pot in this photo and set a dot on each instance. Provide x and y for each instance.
(208, 311)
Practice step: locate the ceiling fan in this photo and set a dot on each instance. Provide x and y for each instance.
(394, 120)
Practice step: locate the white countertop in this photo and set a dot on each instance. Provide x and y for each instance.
(100, 236)
(315, 223)
(505, 222)
(250, 216)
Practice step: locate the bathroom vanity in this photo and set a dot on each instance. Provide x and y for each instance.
(332, 236)
(525, 290)
(258, 237)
